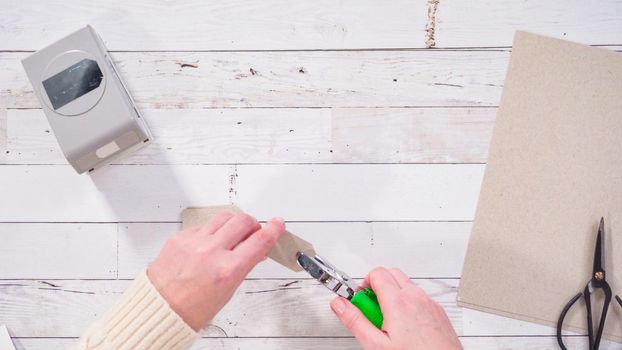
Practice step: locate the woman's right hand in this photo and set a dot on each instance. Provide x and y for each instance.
(411, 319)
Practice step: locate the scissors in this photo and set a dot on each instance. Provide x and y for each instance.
(342, 285)
(597, 281)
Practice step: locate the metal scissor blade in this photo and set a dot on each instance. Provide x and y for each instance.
(599, 252)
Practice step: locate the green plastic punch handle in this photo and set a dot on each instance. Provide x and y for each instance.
(366, 301)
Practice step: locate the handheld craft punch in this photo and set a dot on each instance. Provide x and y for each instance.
(86, 103)
(342, 285)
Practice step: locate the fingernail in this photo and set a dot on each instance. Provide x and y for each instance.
(278, 221)
(338, 306)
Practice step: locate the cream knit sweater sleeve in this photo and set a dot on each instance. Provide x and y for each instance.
(142, 319)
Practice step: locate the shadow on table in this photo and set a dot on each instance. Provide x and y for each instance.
(138, 193)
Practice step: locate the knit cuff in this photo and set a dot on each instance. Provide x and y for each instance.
(142, 319)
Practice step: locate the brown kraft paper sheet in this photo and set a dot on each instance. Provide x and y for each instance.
(554, 168)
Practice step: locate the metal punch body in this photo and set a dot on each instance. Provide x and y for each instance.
(341, 284)
(325, 273)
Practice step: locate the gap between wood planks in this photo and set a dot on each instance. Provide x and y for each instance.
(305, 107)
(617, 47)
(58, 280)
(341, 337)
(260, 221)
(3, 135)
(381, 49)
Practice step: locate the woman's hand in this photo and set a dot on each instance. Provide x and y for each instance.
(199, 268)
(411, 319)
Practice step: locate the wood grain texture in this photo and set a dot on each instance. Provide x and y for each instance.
(89, 250)
(259, 64)
(420, 249)
(493, 23)
(360, 192)
(284, 25)
(58, 251)
(293, 79)
(146, 193)
(260, 308)
(116, 193)
(213, 25)
(469, 343)
(283, 135)
(3, 136)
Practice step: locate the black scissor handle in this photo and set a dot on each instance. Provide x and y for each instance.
(595, 340)
(560, 322)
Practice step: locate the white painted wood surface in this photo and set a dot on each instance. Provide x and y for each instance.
(282, 135)
(421, 249)
(58, 250)
(62, 308)
(325, 192)
(469, 343)
(372, 147)
(294, 79)
(492, 23)
(286, 25)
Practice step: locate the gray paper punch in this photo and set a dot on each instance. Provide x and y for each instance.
(89, 108)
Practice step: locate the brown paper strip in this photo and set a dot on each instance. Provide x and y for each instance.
(285, 250)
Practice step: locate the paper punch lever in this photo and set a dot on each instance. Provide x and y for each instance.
(342, 285)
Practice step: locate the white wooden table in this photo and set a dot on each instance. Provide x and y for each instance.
(332, 114)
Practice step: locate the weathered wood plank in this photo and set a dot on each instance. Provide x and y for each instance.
(214, 25)
(360, 192)
(469, 343)
(282, 135)
(280, 79)
(531, 343)
(270, 343)
(282, 25)
(147, 193)
(3, 135)
(73, 251)
(293, 79)
(58, 251)
(117, 193)
(493, 23)
(420, 249)
(65, 311)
